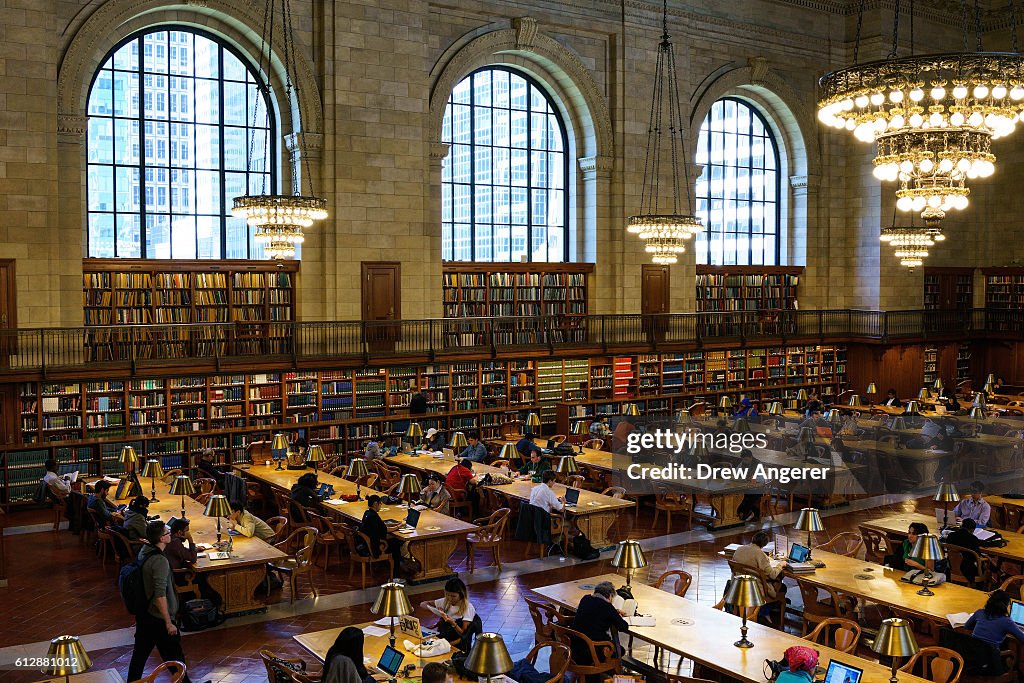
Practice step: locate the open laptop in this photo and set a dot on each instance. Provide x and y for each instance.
(447, 452)
(572, 497)
(390, 661)
(412, 627)
(798, 555)
(325, 491)
(412, 518)
(1017, 612)
(838, 672)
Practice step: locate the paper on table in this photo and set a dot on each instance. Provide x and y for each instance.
(958, 619)
(373, 631)
(384, 621)
(641, 621)
(984, 534)
(336, 502)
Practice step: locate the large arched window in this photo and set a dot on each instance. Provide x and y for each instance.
(503, 188)
(177, 129)
(738, 192)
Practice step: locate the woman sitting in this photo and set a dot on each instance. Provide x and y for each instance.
(993, 623)
(344, 661)
(454, 609)
(802, 661)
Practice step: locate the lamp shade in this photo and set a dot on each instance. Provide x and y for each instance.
(977, 413)
(725, 402)
(898, 424)
(895, 639)
(979, 400)
(217, 506)
(938, 383)
(459, 441)
(67, 657)
(991, 379)
(182, 486)
(924, 394)
(988, 388)
(508, 452)
(810, 520)
(128, 456)
(280, 442)
(806, 435)
(357, 467)
(409, 484)
(855, 400)
(801, 395)
(629, 555)
(834, 416)
(741, 426)
(533, 421)
(744, 591)
(912, 408)
(580, 427)
(872, 389)
(630, 409)
(414, 430)
(567, 465)
(392, 601)
(700, 450)
(489, 656)
(947, 493)
(153, 469)
(927, 547)
(775, 408)
(315, 453)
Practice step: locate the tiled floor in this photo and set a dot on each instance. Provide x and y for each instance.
(57, 586)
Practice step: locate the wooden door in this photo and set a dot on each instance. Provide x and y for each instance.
(382, 300)
(9, 410)
(654, 298)
(8, 311)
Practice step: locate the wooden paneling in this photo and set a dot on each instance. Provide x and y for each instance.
(654, 289)
(896, 367)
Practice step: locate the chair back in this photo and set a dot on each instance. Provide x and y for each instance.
(278, 524)
(206, 485)
(614, 492)
(558, 659)
(280, 669)
(956, 555)
(544, 616)
(493, 527)
(1013, 586)
(123, 546)
(601, 654)
(937, 664)
(874, 545)
(1012, 516)
(594, 444)
(678, 578)
(840, 634)
(847, 544)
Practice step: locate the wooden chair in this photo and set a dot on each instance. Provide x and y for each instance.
(104, 544)
(956, 554)
(874, 545)
(355, 557)
(595, 444)
(614, 492)
(1013, 516)
(544, 616)
(175, 669)
(1014, 585)
(603, 653)
(499, 463)
(299, 563)
(368, 481)
(280, 669)
(840, 634)
(279, 524)
(575, 481)
(255, 498)
(668, 503)
(681, 579)
(459, 501)
(203, 498)
(558, 438)
(330, 536)
(60, 509)
(489, 535)
(997, 518)
(558, 659)
(125, 550)
(817, 610)
(847, 544)
(936, 664)
(205, 485)
(169, 475)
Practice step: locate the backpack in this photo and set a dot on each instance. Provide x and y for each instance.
(584, 549)
(200, 614)
(132, 586)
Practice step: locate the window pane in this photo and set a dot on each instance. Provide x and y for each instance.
(101, 235)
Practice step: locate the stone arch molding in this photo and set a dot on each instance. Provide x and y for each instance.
(525, 46)
(237, 21)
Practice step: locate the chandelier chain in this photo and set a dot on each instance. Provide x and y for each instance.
(860, 24)
(963, 20)
(1013, 24)
(263, 86)
(911, 27)
(675, 122)
(895, 32)
(977, 23)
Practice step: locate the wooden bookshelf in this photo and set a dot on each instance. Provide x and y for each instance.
(515, 289)
(747, 288)
(1004, 288)
(948, 288)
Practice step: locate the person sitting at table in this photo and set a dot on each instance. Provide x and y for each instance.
(599, 428)
(746, 409)
(434, 495)
(372, 450)
(974, 506)
(536, 465)
(475, 451)
(993, 624)
(209, 469)
(901, 559)
(178, 554)
(802, 661)
(377, 531)
(964, 537)
(750, 506)
(303, 492)
(544, 497)
(595, 617)
(435, 441)
(997, 385)
(812, 405)
(814, 420)
(136, 517)
(460, 478)
(105, 510)
(454, 609)
(436, 672)
(891, 400)
(752, 555)
(343, 662)
(57, 486)
(248, 524)
(525, 445)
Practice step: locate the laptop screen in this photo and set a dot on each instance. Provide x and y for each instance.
(572, 496)
(1017, 612)
(412, 518)
(390, 660)
(842, 673)
(799, 553)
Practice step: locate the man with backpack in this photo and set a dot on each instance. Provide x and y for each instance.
(147, 588)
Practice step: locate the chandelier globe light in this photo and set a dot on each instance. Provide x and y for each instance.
(664, 232)
(278, 220)
(933, 117)
(912, 242)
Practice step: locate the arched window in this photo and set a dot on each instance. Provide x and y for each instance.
(738, 192)
(503, 187)
(174, 115)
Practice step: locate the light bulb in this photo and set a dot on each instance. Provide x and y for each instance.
(945, 165)
(918, 204)
(916, 95)
(877, 98)
(975, 119)
(934, 201)
(926, 165)
(999, 92)
(916, 120)
(935, 120)
(1017, 93)
(896, 122)
(861, 101)
(957, 119)
(904, 204)
(907, 166)
(938, 92)
(963, 165)
(896, 96)
(960, 92)
(980, 92)
(846, 105)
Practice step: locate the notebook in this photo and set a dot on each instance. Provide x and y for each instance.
(838, 672)
(412, 627)
(1017, 612)
(572, 497)
(390, 661)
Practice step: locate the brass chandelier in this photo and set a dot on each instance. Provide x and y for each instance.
(278, 220)
(912, 243)
(665, 234)
(933, 117)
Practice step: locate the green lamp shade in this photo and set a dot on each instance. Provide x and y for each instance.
(182, 486)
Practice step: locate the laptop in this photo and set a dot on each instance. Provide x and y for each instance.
(412, 518)
(572, 497)
(325, 491)
(412, 627)
(1017, 612)
(448, 452)
(798, 555)
(390, 661)
(838, 672)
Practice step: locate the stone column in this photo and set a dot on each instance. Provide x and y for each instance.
(304, 156)
(594, 213)
(71, 244)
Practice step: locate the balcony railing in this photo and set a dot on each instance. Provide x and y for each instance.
(44, 349)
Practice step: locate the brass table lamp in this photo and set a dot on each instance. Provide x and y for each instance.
(924, 394)
(533, 423)
(631, 409)
(912, 408)
(315, 454)
(392, 602)
(927, 548)
(744, 592)
(855, 401)
(508, 452)
(801, 395)
(724, 404)
(414, 431)
(154, 471)
(979, 400)
(938, 384)
(279, 449)
(218, 507)
(182, 486)
(629, 556)
(408, 486)
(66, 657)
(489, 656)
(458, 442)
(357, 469)
(946, 494)
(775, 408)
(895, 639)
(567, 465)
(872, 390)
(834, 417)
(741, 425)
(129, 458)
(810, 521)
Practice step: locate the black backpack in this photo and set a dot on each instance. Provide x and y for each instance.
(132, 586)
(200, 614)
(584, 549)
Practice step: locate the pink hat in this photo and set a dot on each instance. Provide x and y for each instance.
(800, 658)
